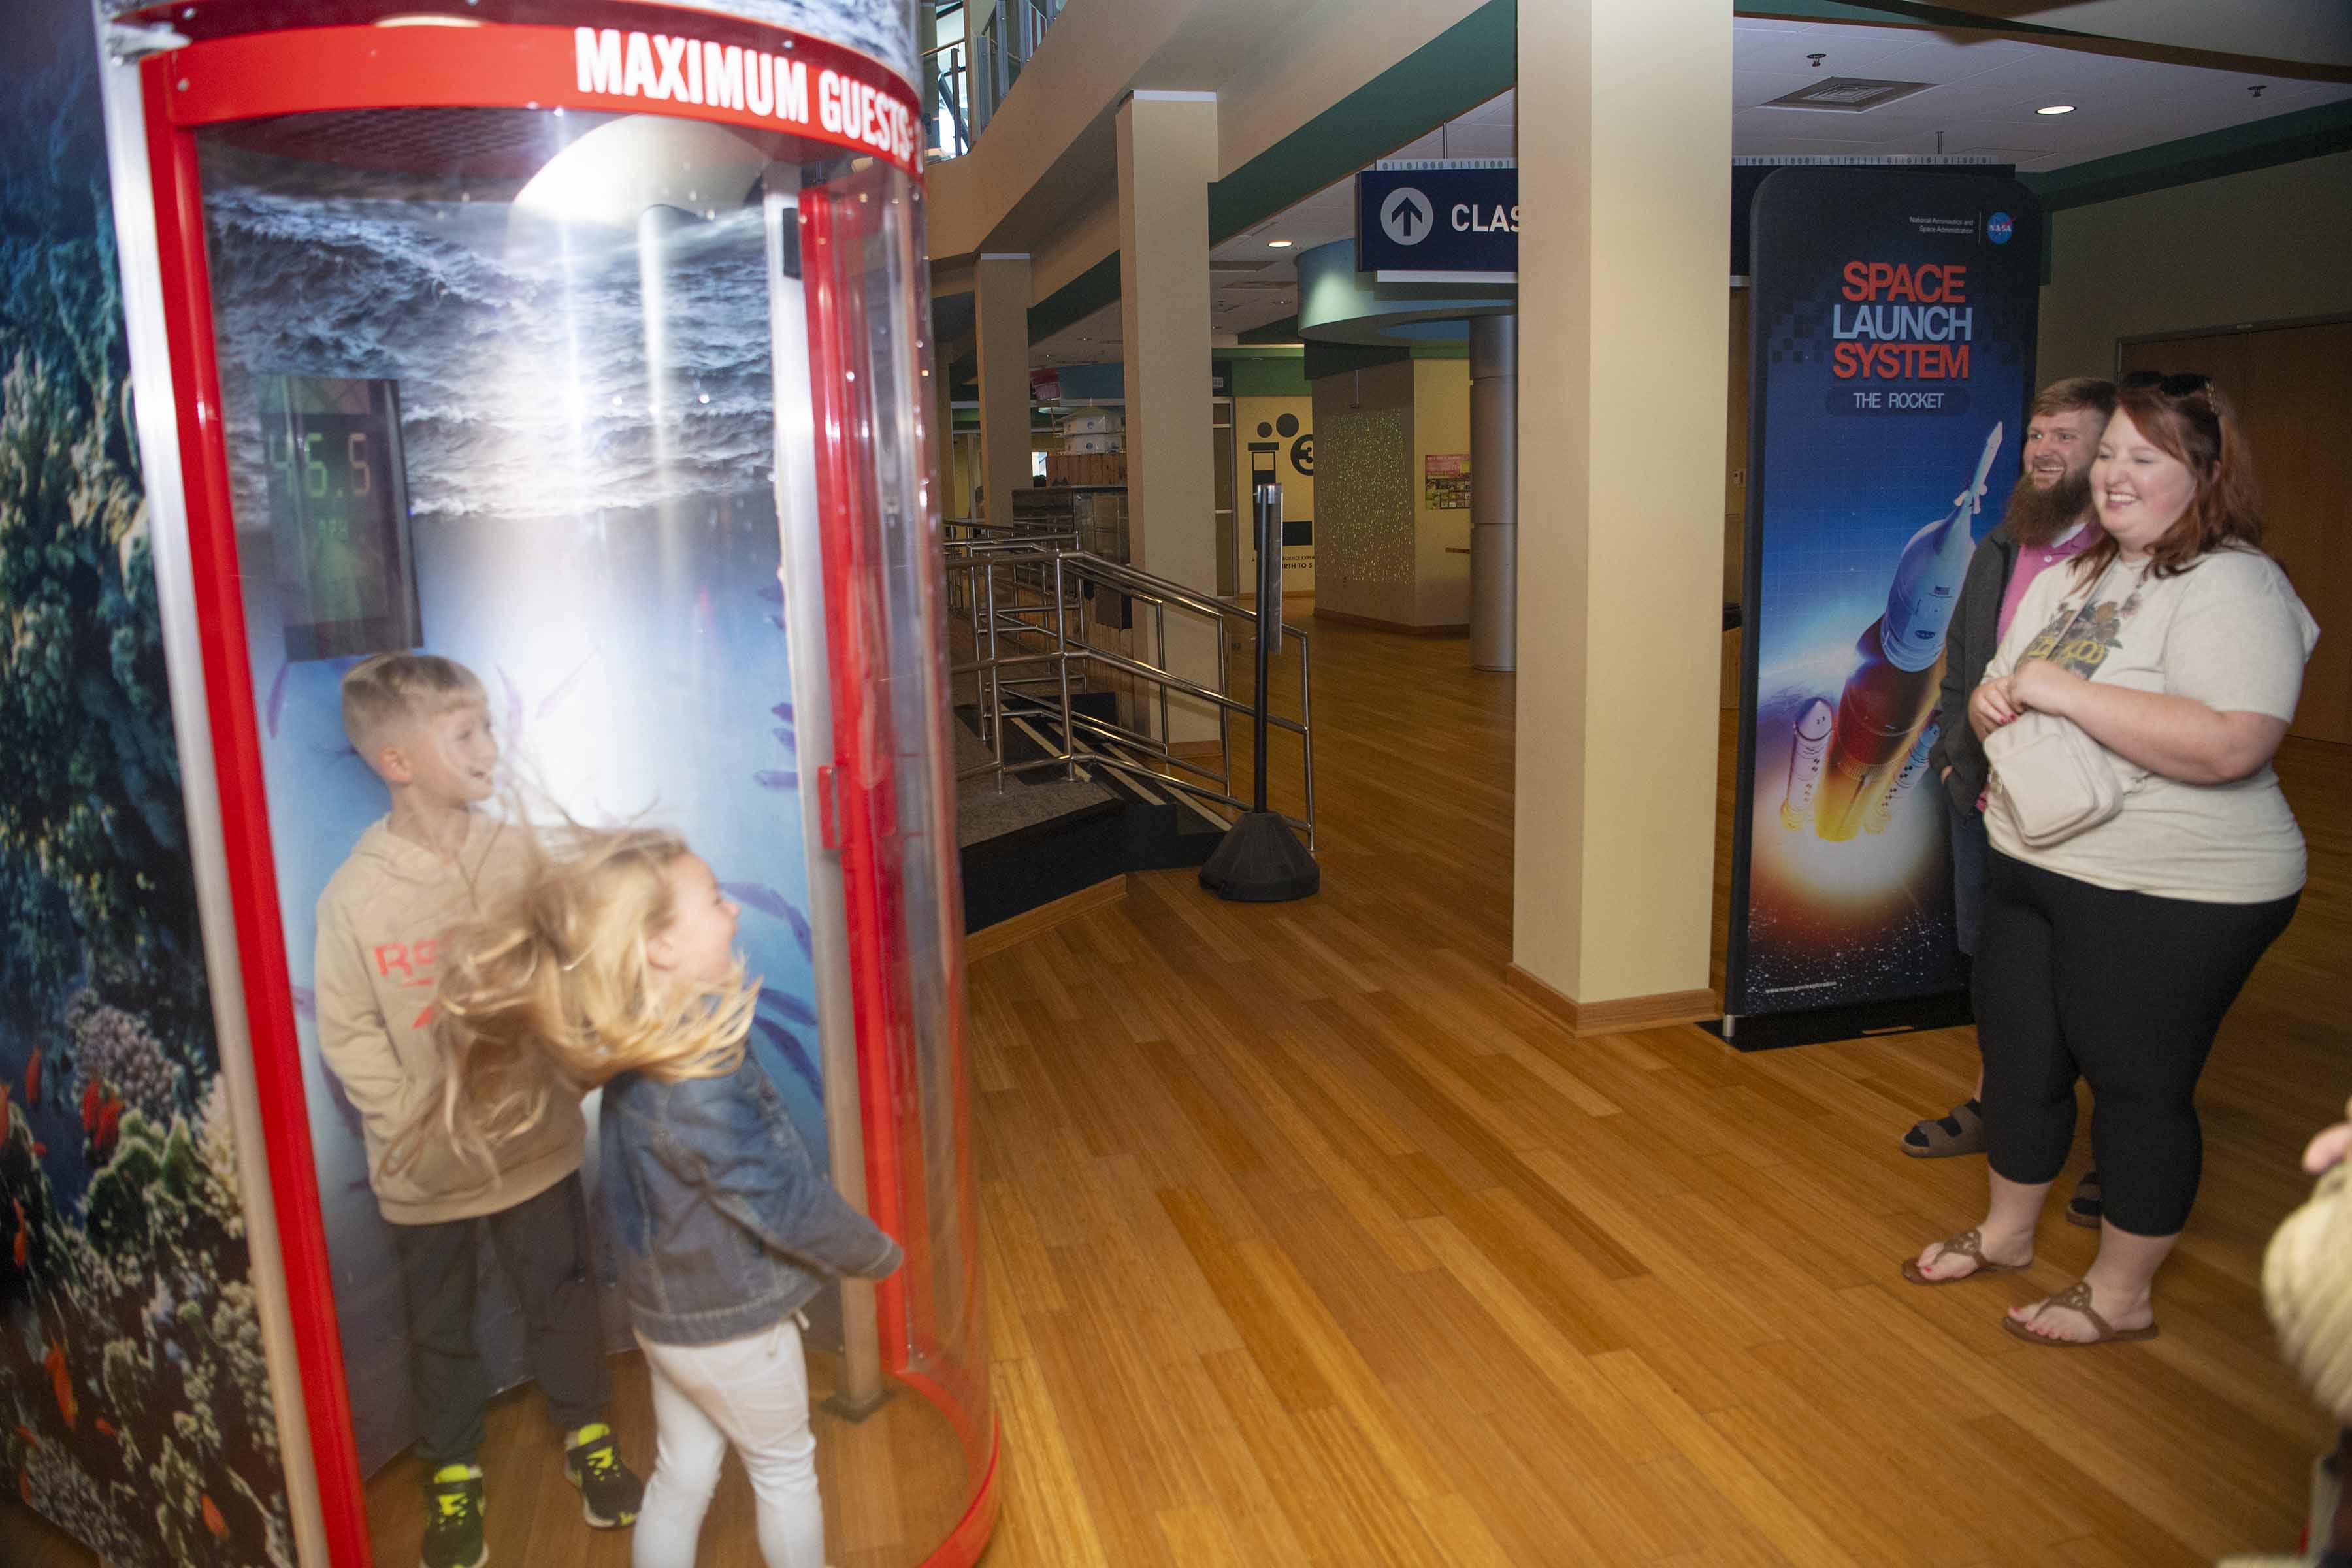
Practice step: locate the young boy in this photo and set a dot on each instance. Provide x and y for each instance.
(423, 723)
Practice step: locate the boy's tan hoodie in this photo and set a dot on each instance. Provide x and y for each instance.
(381, 923)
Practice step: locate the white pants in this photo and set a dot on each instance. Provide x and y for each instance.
(751, 1392)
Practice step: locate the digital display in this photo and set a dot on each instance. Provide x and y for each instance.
(338, 493)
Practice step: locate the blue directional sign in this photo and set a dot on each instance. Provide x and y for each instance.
(1439, 220)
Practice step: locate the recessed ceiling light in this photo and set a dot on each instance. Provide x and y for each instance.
(1278, 245)
(2055, 109)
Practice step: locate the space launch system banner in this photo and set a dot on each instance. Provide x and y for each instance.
(1893, 319)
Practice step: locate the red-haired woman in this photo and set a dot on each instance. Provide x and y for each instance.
(2178, 647)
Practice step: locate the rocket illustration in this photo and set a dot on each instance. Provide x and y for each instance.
(1912, 766)
(1808, 747)
(1893, 688)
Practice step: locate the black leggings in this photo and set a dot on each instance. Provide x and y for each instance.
(2126, 990)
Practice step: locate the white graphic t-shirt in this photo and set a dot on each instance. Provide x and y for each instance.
(2228, 632)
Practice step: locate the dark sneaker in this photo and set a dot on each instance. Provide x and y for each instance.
(452, 1519)
(610, 1492)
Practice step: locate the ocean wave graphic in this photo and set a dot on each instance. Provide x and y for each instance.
(882, 28)
(528, 381)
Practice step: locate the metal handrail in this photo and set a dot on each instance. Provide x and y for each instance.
(1022, 599)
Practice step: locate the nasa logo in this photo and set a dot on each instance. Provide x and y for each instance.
(1406, 216)
(1999, 228)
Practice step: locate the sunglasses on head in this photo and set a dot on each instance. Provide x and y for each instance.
(2184, 386)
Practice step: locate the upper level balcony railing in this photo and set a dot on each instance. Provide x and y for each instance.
(973, 53)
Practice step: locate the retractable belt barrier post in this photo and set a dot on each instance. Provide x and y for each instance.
(1261, 860)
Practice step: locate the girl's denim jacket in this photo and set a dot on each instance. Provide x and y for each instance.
(723, 1224)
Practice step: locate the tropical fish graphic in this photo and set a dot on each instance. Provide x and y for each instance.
(792, 1007)
(768, 902)
(102, 1120)
(795, 1055)
(62, 1383)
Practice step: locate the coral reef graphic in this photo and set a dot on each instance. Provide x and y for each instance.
(134, 1408)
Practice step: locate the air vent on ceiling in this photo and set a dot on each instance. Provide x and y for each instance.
(1221, 264)
(1256, 283)
(1846, 94)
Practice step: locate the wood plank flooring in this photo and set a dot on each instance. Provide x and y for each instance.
(1309, 1244)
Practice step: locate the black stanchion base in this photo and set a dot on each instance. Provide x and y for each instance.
(1775, 1031)
(1262, 862)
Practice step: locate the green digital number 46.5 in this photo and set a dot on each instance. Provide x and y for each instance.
(339, 511)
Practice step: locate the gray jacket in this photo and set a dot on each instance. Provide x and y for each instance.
(1967, 648)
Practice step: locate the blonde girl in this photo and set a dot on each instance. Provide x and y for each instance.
(615, 965)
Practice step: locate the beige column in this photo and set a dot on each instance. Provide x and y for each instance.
(1626, 211)
(1001, 297)
(1167, 156)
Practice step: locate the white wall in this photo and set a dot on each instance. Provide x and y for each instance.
(1297, 485)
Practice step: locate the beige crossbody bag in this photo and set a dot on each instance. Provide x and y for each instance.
(2059, 782)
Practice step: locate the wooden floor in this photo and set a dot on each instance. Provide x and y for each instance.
(1309, 1244)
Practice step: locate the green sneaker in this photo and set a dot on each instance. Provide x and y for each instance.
(610, 1492)
(453, 1520)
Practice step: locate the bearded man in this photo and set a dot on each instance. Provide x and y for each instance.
(2049, 519)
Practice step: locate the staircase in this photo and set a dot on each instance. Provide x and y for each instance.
(1063, 692)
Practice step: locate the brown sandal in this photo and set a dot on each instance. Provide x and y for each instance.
(2076, 1298)
(1967, 1244)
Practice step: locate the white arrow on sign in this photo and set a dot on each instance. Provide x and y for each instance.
(1406, 216)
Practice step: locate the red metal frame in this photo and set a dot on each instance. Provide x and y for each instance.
(833, 218)
(347, 68)
(244, 822)
(309, 71)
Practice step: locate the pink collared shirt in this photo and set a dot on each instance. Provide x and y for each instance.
(2035, 559)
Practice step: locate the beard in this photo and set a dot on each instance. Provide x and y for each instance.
(2037, 517)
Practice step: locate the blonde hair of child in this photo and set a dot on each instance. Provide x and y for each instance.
(390, 690)
(552, 992)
